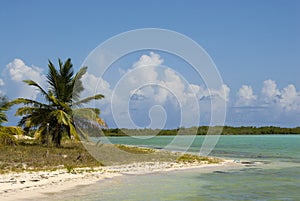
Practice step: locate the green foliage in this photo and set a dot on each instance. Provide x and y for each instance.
(34, 157)
(7, 139)
(251, 130)
(12, 130)
(135, 150)
(3, 108)
(203, 130)
(70, 168)
(7, 134)
(56, 117)
(190, 158)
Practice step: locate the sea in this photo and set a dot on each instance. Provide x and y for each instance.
(272, 172)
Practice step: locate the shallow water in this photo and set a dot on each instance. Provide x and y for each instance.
(277, 178)
(192, 185)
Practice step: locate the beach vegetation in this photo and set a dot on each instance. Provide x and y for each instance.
(7, 132)
(55, 116)
(70, 168)
(135, 150)
(3, 109)
(29, 156)
(191, 158)
(7, 139)
(34, 157)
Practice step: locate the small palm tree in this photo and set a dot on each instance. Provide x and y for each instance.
(56, 117)
(7, 132)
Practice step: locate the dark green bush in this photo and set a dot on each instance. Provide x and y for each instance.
(7, 139)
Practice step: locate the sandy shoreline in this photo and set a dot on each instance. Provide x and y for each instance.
(26, 185)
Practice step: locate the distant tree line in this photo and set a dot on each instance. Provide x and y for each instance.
(203, 130)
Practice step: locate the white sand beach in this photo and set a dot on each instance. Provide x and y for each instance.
(26, 185)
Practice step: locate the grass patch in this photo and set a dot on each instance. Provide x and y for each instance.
(31, 156)
(70, 168)
(135, 150)
(190, 158)
(116, 154)
(34, 157)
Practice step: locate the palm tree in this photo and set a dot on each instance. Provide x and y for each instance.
(7, 132)
(57, 116)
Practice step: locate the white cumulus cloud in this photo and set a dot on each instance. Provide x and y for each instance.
(19, 71)
(245, 96)
(290, 98)
(1, 84)
(148, 83)
(269, 91)
(94, 85)
(14, 74)
(148, 93)
(272, 106)
(287, 99)
(152, 59)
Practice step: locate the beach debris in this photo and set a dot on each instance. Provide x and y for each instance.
(34, 180)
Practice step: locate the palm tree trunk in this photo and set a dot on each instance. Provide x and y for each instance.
(56, 138)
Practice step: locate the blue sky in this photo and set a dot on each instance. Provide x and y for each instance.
(254, 44)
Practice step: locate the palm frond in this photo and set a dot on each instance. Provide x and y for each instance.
(29, 110)
(59, 104)
(33, 83)
(102, 122)
(73, 132)
(26, 101)
(66, 69)
(88, 115)
(88, 99)
(76, 84)
(41, 132)
(12, 130)
(61, 117)
(3, 117)
(3, 108)
(81, 133)
(53, 77)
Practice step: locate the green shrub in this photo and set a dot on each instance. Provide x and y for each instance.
(7, 139)
(190, 158)
(70, 168)
(135, 150)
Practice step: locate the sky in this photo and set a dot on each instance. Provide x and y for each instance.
(255, 46)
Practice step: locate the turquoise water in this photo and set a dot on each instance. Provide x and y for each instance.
(193, 185)
(276, 178)
(268, 147)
